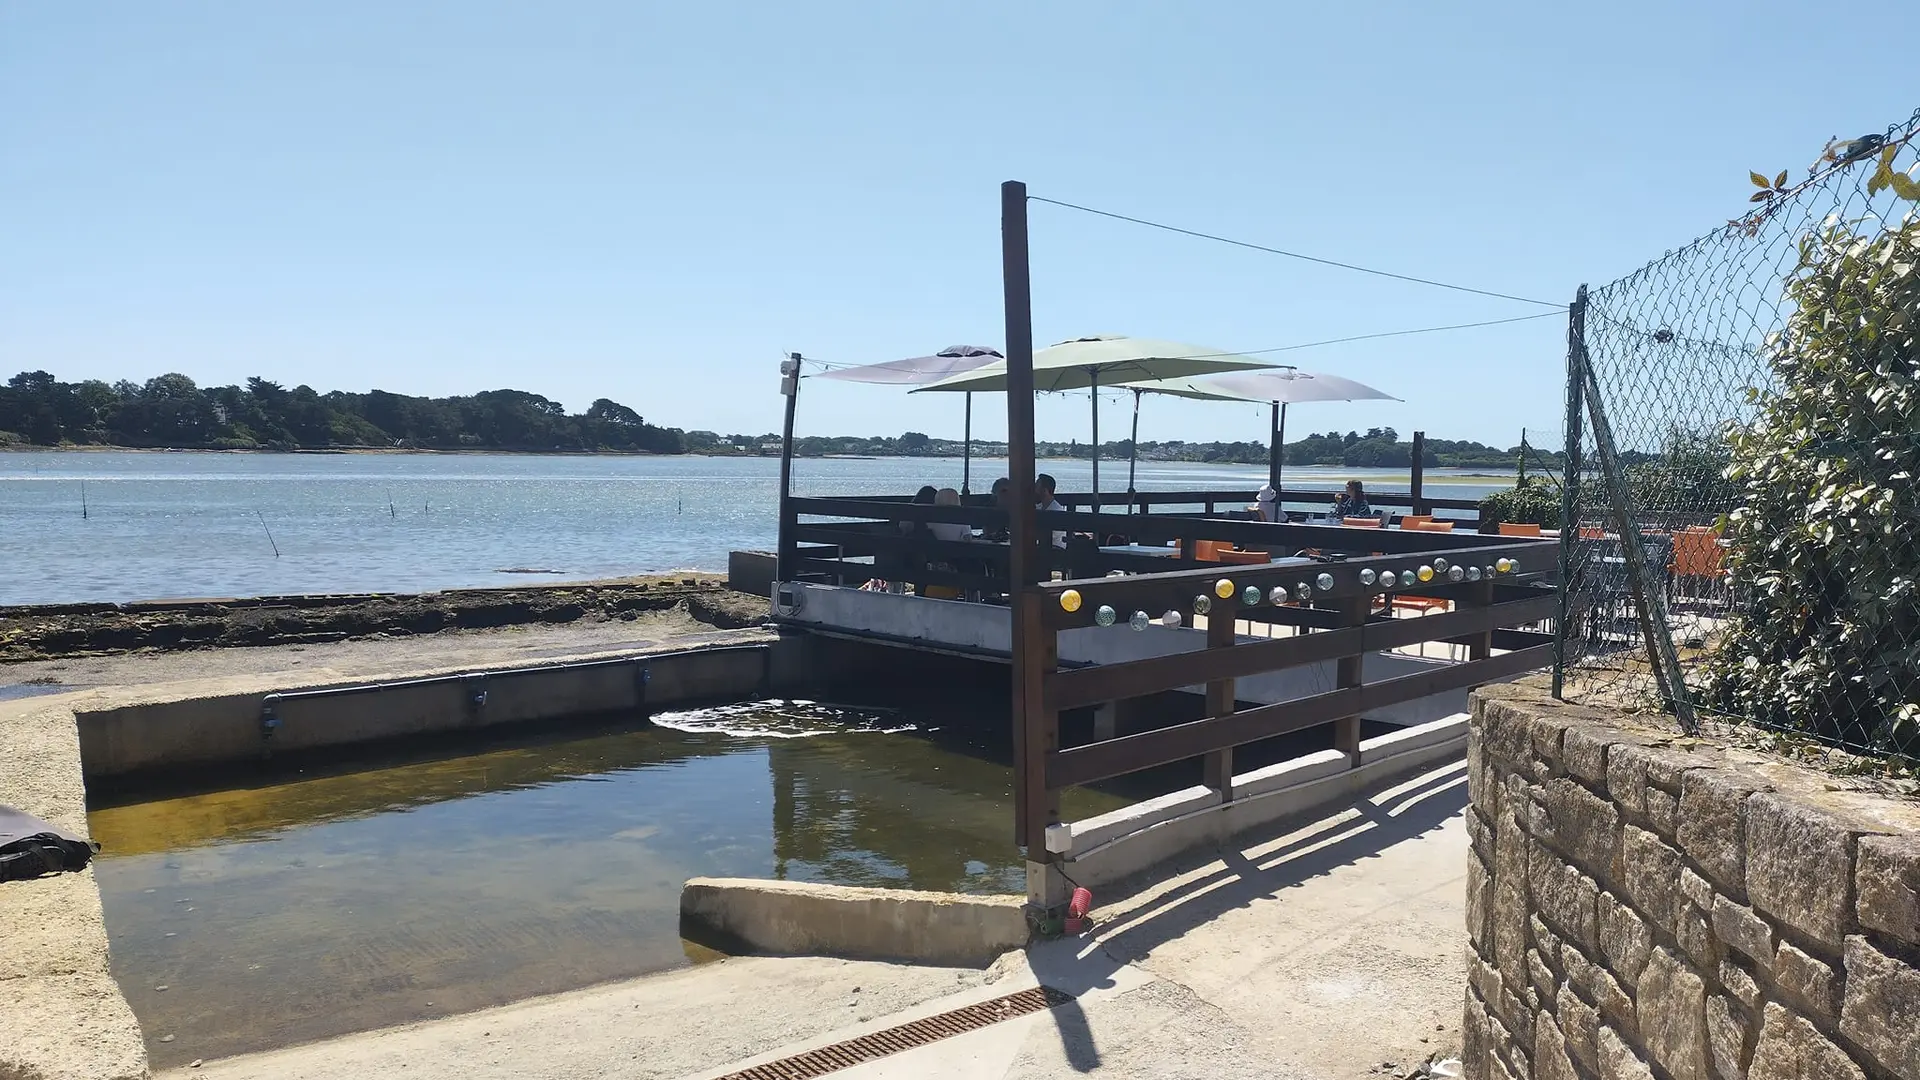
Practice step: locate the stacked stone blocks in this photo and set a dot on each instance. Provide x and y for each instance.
(1643, 909)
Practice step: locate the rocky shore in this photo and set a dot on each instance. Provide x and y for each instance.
(45, 632)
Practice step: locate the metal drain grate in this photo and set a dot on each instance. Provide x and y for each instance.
(844, 1055)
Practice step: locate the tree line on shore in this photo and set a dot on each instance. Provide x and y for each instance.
(36, 409)
(171, 411)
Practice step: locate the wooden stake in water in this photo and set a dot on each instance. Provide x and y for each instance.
(391, 512)
(269, 532)
(83, 500)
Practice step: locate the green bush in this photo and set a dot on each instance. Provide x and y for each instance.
(8, 438)
(1532, 501)
(1825, 552)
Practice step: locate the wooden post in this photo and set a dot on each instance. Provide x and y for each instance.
(1216, 768)
(1570, 485)
(1419, 473)
(786, 549)
(1347, 673)
(1481, 595)
(1035, 731)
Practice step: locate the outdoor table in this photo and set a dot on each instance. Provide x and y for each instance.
(1140, 549)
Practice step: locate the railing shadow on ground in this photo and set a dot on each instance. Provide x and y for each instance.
(1394, 812)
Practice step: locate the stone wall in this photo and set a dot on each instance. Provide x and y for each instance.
(1657, 908)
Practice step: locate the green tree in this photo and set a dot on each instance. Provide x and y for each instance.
(1823, 542)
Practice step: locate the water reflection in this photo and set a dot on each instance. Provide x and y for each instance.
(305, 904)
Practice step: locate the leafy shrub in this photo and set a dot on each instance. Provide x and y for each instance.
(1532, 501)
(1824, 550)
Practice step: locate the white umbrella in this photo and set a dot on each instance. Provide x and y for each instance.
(920, 370)
(1109, 359)
(1285, 386)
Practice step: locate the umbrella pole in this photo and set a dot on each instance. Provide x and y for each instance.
(1133, 449)
(1273, 449)
(1280, 463)
(1093, 376)
(966, 455)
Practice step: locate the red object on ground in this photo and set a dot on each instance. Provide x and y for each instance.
(1077, 908)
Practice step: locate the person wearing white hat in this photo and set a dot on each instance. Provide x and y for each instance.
(1268, 503)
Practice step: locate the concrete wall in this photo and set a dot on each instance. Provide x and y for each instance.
(751, 572)
(987, 629)
(1645, 907)
(1127, 841)
(791, 918)
(185, 732)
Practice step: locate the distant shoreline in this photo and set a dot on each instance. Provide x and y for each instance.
(1319, 473)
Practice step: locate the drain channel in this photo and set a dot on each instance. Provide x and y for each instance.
(844, 1055)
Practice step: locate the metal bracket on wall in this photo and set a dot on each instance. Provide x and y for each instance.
(269, 722)
(476, 690)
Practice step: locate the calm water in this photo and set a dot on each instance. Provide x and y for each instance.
(335, 901)
(192, 524)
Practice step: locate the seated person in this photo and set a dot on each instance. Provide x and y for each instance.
(1043, 489)
(1352, 502)
(1268, 503)
(1002, 500)
(949, 530)
(926, 496)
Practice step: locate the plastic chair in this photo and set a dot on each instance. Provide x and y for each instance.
(1235, 555)
(1361, 523)
(1697, 555)
(1208, 550)
(1514, 528)
(1429, 525)
(1408, 521)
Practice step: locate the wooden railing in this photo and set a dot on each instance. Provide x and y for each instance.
(1497, 586)
(1502, 583)
(862, 539)
(1219, 501)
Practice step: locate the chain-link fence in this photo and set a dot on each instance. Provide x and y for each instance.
(1743, 439)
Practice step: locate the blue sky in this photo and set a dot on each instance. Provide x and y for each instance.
(653, 201)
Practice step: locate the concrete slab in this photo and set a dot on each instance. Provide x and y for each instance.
(793, 917)
(693, 1022)
(1148, 834)
(1318, 950)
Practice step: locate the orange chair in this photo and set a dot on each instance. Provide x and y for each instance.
(1208, 550)
(1235, 555)
(1409, 521)
(1697, 555)
(1430, 525)
(1361, 523)
(1514, 528)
